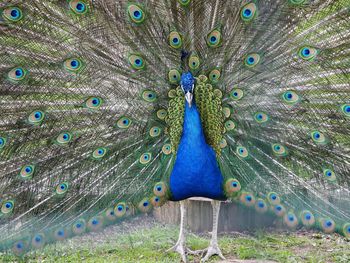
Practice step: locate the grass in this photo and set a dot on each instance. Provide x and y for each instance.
(149, 243)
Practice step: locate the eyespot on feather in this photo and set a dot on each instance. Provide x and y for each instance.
(307, 53)
(124, 122)
(38, 241)
(145, 205)
(145, 158)
(247, 199)
(99, 153)
(214, 38)
(120, 209)
(64, 138)
(290, 97)
(232, 185)
(62, 188)
(17, 74)
(7, 206)
(175, 39)
(149, 95)
(279, 149)
(95, 223)
(73, 65)
(248, 12)
(251, 60)
(136, 14)
(136, 61)
(93, 103)
(36, 117)
(329, 175)
(12, 14)
(161, 114)
(307, 218)
(79, 7)
(236, 94)
(27, 171)
(242, 152)
(261, 206)
(194, 62)
(261, 117)
(290, 220)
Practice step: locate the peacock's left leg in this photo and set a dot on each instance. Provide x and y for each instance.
(213, 248)
(180, 244)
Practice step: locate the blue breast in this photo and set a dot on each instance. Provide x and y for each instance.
(196, 172)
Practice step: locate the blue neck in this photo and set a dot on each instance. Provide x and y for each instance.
(196, 172)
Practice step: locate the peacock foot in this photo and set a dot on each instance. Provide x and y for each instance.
(212, 250)
(181, 249)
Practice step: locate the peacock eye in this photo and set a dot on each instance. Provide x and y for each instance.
(307, 53)
(136, 14)
(144, 205)
(346, 109)
(273, 198)
(279, 210)
(242, 152)
(307, 218)
(214, 75)
(124, 122)
(174, 76)
(166, 149)
(36, 117)
(60, 234)
(120, 209)
(145, 158)
(7, 206)
(161, 114)
(248, 12)
(290, 220)
(12, 14)
(160, 189)
(27, 171)
(184, 2)
(290, 97)
(78, 6)
(17, 74)
(193, 62)
(260, 206)
(236, 94)
(93, 103)
(149, 95)
(251, 60)
(230, 125)
(318, 137)
(175, 40)
(214, 38)
(232, 186)
(3, 142)
(329, 175)
(99, 153)
(247, 199)
(346, 230)
(64, 138)
(62, 188)
(223, 143)
(279, 149)
(155, 131)
(79, 226)
(136, 62)
(73, 65)
(261, 117)
(328, 225)
(38, 240)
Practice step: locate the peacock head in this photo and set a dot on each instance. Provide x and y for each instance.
(187, 85)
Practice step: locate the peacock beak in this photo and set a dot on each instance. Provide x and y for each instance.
(189, 97)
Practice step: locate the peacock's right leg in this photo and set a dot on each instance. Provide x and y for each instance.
(180, 244)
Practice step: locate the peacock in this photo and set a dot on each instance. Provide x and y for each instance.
(110, 108)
